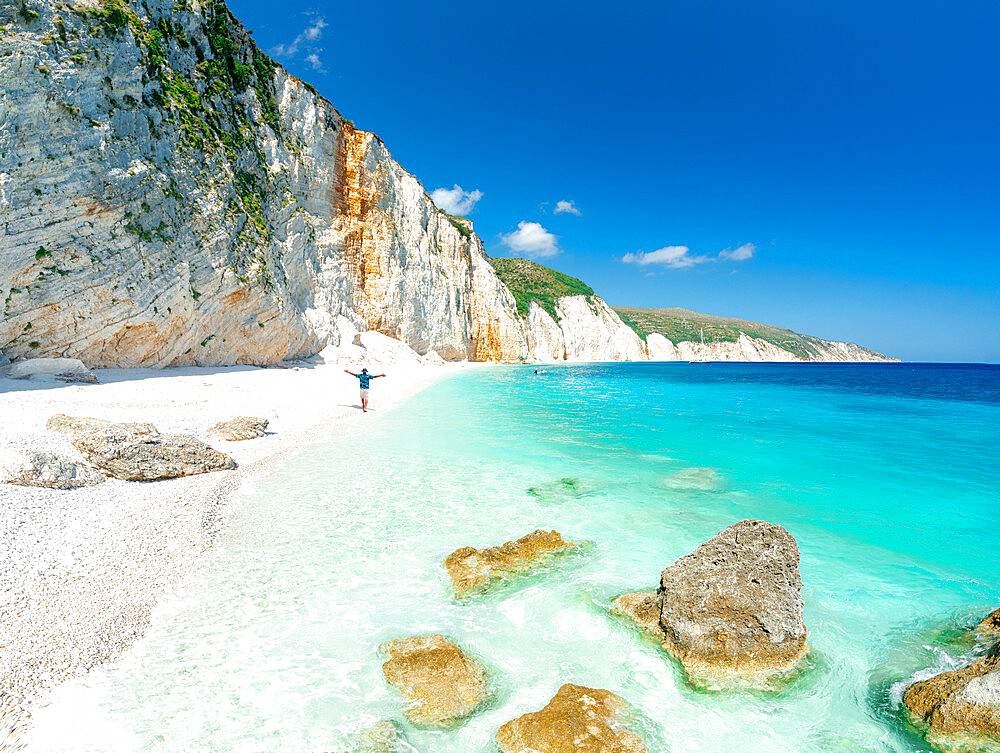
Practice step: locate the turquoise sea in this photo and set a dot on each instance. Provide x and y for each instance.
(887, 475)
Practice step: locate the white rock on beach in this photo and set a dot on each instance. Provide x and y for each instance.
(46, 469)
(239, 428)
(40, 368)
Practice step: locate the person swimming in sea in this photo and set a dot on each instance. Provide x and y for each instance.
(364, 378)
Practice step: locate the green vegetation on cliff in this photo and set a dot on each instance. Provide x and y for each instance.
(529, 282)
(682, 325)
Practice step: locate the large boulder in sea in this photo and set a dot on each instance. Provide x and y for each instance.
(961, 708)
(132, 456)
(731, 611)
(576, 720)
(472, 569)
(239, 428)
(442, 684)
(45, 469)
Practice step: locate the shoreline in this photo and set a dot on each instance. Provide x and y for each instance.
(85, 568)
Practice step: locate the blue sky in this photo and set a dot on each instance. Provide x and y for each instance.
(833, 167)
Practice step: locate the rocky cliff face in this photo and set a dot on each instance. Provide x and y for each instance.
(171, 196)
(748, 348)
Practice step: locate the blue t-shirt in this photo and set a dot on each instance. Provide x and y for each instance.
(364, 379)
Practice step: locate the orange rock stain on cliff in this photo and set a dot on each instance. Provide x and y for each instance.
(354, 205)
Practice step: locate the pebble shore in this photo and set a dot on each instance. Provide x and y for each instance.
(82, 569)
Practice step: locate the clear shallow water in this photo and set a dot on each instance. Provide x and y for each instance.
(888, 476)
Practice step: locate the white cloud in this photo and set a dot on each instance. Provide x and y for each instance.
(740, 253)
(531, 239)
(566, 207)
(311, 33)
(314, 62)
(456, 200)
(680, 257)
(675, 257)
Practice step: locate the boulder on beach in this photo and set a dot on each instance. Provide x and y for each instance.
(442, 684)
(40, 368)
(46, 469)
(576, 720)
(73, 425)
(990, 625)
(732, 609)
(474, 569)
(132, 456)
(77, 377)
(239, 428)
(963, 703)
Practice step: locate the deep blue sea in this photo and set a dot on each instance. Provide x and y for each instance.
(887, 475)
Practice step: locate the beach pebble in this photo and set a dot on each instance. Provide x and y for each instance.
(239, 428)
(576, 720)
(47, 469)
(442, 684)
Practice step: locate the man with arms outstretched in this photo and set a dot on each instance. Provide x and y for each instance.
(364, 378)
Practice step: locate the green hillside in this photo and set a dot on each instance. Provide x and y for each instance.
(682, 325)
(529, 282)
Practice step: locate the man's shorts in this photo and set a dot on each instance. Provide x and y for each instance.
(364, 394)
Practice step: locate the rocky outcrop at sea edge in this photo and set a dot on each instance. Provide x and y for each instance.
(731, 611)
(961, 709)
(576, 720)
(990, 625)
(472, 569)
(131, 456)
(441, 683)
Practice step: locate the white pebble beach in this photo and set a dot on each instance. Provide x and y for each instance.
(82, 569)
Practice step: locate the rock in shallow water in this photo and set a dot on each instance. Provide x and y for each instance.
(442, 684)
(732, 609)
(576, 720)
(965, 702)
(132, 456)
(239, 428)
(474, 569)
(990, 626)
(46, 469)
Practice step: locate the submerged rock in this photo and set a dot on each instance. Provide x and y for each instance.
(442, 684)
(576, 720)
(990, 625)
(473, 569)
(381, 738)
(46, 469)
(563, 489)
(73, 425)
(132, 456)
(695, 480)
(730, 610)
(965, 702)
(239, 428)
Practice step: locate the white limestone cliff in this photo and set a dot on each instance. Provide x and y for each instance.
(170, 196)
(164, 204)
(587, 330)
